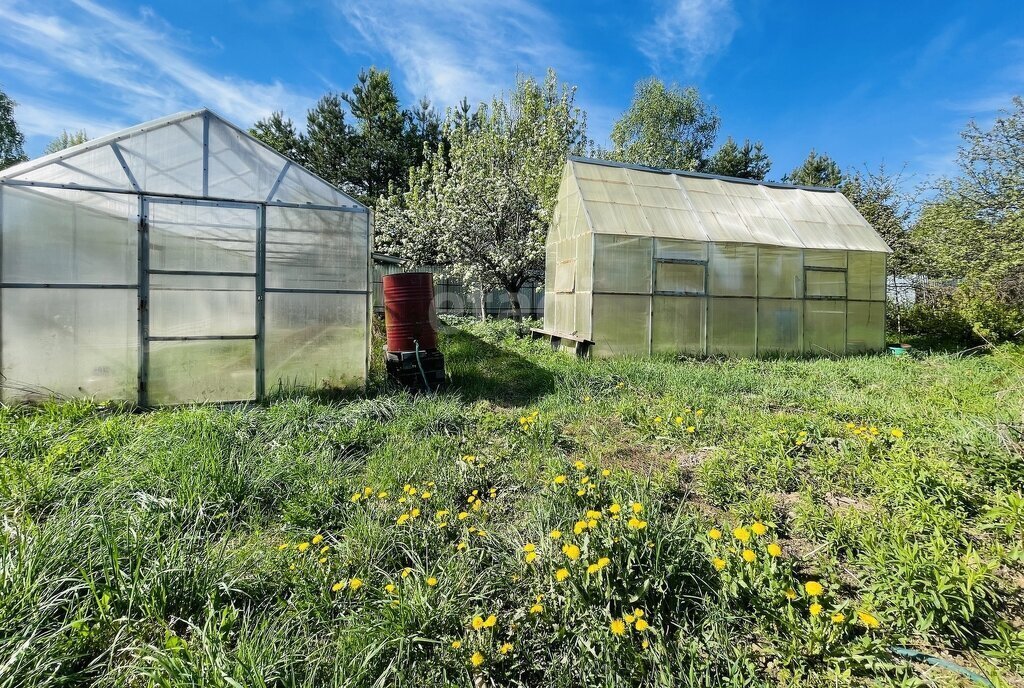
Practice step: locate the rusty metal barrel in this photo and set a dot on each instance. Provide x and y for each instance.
(409, 311)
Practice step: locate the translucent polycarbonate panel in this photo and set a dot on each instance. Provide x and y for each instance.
(848, 224)
(583, 306)
(201, 305)
(614, 218)
(622, 325)
(733, 270)
(667, 212)
(622, 264)
(606, 173)
(550, 324)
(825, 259)
(240, 168)
(550, 261)
(716, 213)
(759, 215)
(315, 341)
(780, 272)
(865, 326)
(563, 311)
(825, 327)
(732, 326)
(69, 342)
(811, 223)
(680, 250)
(585, 262)
(565, 273)
(577, 223)
(68, 237)
(316, 249)
(678, 325)
(866, 276)
(683, 278)
(167, 159)
(202, 236)
(198, 371)
(299, 186)
(778, 326)
(98, 167)
(607, 192)
(827, 283)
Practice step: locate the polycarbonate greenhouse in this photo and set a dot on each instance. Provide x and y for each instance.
(178, 261)
(643, 261)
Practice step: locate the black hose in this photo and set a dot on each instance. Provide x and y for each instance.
(419, 365)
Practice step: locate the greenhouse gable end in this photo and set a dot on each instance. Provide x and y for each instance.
(641, 261)
(180, 260)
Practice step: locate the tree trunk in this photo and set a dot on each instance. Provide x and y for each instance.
(896, 303)
(483, 301)
(517, 310)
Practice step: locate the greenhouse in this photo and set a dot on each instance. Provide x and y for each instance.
(179, 261)
(643, 261)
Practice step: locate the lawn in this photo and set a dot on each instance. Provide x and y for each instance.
(546, 522)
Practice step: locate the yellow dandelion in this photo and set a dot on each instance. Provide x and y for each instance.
(283, 546)
(741, 533)
(555, 534)
(354, 584)
(580, 492)
(529, 547)
(592, 523)
(593, 568)
(579, 527)
(868, 619)
(456, 644)
(641, 625)
(749, 556)
(759, 528)
(382, 494)
(463, 515)
(815, 609)
(678, 420)
(638, 613)
(628, 618)
(561, 574)
(477, 659)
(302, 546)
(531, 557)
(838, 618)
(317, 539)
(357, 496)
(580, 466)
(606, 472)
(505, 649)
(390, 588)
(490, 621)
(337, 586)
(322, 560)
(657, 419)
(636, 524)
(478, 623)
(614, 509)
(571, 551)
(691, 429)
(461, 546)
(699, 412)
(790, 594)
(896, 432)
(403, 519)
(774, 549)
(559, 480)
(715, 534)
(637, 507)
(406, 572)
(537, 608)
(325, 549)
(618, 627)
(813, 588)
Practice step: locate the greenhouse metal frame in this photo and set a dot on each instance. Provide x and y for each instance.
(649, 261)
(179, 261)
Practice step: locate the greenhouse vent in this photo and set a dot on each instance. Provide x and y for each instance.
(179, 261)
(643, 261)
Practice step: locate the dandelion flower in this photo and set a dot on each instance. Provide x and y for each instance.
(283, 546)
(657, 419)
(741, 533)
(529, 547)
(718, 563)
(322, 560)
(461, 546)
(478, 623)
(317, 539)
(561, 574)
(490, 621)
(431, 581)
(691, 429)
(403, 519)
(679, 420)
(505, 649)
(896, 432)
(537, 608)
(559, 480)
(759, 528)
(638, 613)
(618, 627)
(749, 556)
(790, 594)
(592, 523)
(636, 524)
(641, 625)
(715, 534)
(415, 513)
(628, 618)
(775, 549)
(593, 568)
(389, 588)
(813, 588)
(406, 572)
(477, 659)
(580, 492)
(530, 557)
(555, 534)
(579, 527)
(614, 509)
(354, 584)
(571, 551)
(815, 609)
(325, 549)
(868, 620)
(580, 466)
(463, 515)
(456, 644)
(637, 507)
(337, 586)
(606, 472)
(357, 496)
(382, 494)
(838, 618)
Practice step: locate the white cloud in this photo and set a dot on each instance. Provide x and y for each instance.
(448, 49)
(688, 33)
(106, 69)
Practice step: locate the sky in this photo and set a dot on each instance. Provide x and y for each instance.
(866, 82)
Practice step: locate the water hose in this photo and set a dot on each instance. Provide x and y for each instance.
(919, 656)
(419, 365)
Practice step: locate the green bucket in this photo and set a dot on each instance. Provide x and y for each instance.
(897, 351)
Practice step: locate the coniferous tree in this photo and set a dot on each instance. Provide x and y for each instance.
(816, 170)
(329, 141)
(748, 161)
(278, 132)
(378, 155)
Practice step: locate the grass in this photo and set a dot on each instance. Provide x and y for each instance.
(252, 546)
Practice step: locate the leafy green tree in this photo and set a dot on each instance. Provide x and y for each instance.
(329, 140)
(66, 140)
(278, 132)
(481, 204)
(12, 141)
(667, 127)
(748, 161)
(816, 170)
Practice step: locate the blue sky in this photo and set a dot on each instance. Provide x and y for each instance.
(865, 82)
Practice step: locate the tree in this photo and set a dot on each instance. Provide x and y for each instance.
(66, 140)
(423, 128)
(12, 141)
(816, 170)
(481, 204)
(747, 162)
(278, 132)
(667, 127)
(328, 140)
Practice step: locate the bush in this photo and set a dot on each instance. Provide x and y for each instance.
(994, 312)
(932, 326)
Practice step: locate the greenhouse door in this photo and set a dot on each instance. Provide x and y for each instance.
(199, 315)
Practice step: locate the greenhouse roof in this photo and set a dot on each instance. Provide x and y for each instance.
(644, 201)
(196, 154)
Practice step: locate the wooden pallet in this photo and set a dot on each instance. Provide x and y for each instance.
(579, 345)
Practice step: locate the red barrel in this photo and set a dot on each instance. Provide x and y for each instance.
(409, 311)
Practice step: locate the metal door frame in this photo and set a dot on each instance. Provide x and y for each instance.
(259, 276)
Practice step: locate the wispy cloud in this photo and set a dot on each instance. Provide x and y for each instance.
(688, 33)
(450, 49)
(105, 69)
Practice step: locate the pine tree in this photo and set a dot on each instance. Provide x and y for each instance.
(816, 170)
(278, 132)
(747, 162)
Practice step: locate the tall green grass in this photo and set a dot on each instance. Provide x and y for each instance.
(163, 548)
